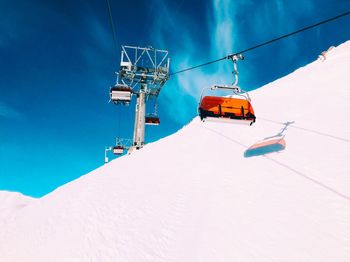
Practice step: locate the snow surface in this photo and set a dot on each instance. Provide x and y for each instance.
(11, 202)
(193, 196)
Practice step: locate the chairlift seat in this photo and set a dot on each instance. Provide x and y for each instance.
(118, 150)
(152, 120)
(126, 65)
(226, 109)
(121, 93)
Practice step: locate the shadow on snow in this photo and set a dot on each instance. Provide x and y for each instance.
(269, 144)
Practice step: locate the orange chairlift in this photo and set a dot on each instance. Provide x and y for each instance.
(234, 108)
(120, 94)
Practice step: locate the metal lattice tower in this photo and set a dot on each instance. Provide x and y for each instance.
(143, 72)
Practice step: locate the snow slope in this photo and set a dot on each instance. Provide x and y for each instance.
(11, 202)
(194, 196)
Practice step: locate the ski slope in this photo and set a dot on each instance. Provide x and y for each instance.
(196, 196)
(10, 203)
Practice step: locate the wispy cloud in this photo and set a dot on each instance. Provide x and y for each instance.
(231, 26)
(99, 39)
(9, 112)
(9, 31)
(182, 92)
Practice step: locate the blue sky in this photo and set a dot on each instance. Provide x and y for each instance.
(57, 61)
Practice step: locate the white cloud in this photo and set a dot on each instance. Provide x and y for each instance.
(182, 92)
(229, 23)
(8, 112)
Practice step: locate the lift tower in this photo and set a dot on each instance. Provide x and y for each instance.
(143, 72)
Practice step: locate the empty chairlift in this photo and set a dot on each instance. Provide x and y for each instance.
(234, 108)
(152, 120)
(118, 150)
(121, 93)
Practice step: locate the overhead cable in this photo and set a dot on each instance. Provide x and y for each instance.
(112, 26)
(265, 43)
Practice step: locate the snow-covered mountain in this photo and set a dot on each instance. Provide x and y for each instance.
(10, 202)
(204, 194)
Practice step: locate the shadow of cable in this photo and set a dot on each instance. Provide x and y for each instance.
(325, 186)
(266, 147)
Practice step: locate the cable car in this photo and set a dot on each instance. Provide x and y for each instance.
(120, 93)
(118, 150)
(152, 120)
(234, 108)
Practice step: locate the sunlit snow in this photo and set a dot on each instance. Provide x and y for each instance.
(197, 196)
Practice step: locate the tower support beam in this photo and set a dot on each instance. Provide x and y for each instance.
(140, 113)
(144, 71)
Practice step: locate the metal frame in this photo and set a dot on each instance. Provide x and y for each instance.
(227, 120)
(234, 59)
(234, 87)
(146, 70)
(144, 65)
(126, 143)
(237, 91)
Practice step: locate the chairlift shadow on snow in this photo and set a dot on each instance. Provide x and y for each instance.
(266, 147)
(269, 145)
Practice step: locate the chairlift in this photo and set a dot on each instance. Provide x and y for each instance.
(234, 108)
(120, 93)
(152, 120)
(118, 150)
